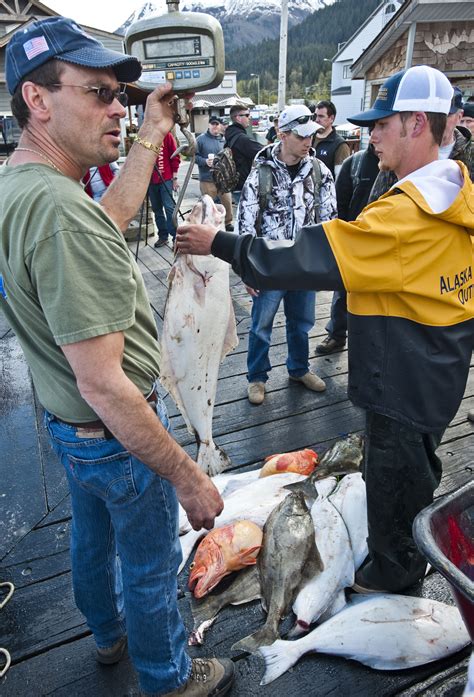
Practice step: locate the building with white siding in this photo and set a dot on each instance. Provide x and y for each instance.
(439, 33)
(346, 93)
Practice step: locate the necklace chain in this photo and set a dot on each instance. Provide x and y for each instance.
(41, 154)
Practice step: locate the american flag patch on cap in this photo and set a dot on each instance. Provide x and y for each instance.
(35, 46)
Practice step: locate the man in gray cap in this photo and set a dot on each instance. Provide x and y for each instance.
(406, 262)
(77, 302)
(208, 144)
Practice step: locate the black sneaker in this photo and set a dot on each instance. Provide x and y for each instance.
(210, 677)
(328, 345)
(160, 243)
(229, 227)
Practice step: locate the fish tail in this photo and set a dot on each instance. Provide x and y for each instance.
(278, 657)
(212, 459)
(251, 643)
(306, 487)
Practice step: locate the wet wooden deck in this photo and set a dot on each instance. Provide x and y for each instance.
(51, 648)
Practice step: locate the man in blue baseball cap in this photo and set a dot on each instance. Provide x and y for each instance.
(77, 302)
(407, 266)
(456, 144)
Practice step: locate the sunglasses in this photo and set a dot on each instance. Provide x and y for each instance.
(303, 119)
(105, 94)
(247, 115)
(295, 133)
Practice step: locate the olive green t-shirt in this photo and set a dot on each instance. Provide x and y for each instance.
(68, 275)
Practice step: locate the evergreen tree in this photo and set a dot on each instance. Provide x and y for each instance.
(309, 43)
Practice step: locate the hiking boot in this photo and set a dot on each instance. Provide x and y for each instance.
(210, 677)
(112, 654)
(311, 381)
(329, 344)
(256, 392)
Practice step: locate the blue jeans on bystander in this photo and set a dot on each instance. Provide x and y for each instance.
(337, 325)
(299, 312)
(162, 202)
(120, 507)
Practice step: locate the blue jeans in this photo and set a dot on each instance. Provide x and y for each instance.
(299, 312)
(161, 198)
(337, 325)
(236, 197)
(120, 507)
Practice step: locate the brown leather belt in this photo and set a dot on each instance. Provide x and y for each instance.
(97, 428)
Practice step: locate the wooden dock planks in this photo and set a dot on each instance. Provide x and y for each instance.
(52, 650)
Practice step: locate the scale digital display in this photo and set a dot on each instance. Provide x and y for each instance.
(172, 47)
(184, 48)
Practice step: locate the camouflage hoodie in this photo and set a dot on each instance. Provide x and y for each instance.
(291, 202)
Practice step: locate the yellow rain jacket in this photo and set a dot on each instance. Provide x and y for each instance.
(406, 263)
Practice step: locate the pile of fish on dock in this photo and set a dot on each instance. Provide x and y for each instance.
(314, 538)
(292, 534)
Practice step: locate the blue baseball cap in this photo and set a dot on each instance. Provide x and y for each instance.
(62, 38)
(421, 88)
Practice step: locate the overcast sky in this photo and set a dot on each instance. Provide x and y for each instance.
(102, 14)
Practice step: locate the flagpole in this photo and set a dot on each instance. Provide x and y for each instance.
(282, 61)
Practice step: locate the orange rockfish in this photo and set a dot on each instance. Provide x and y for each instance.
(223, 551)
(301, 462)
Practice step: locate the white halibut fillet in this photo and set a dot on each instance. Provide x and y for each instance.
(350, 499)
(198, 332)
(324, 588)
(386, 632)
(225, 484)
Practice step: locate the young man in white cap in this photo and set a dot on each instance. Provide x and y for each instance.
(75, 297)
(406, 263)
(285, 190)
(456, 144)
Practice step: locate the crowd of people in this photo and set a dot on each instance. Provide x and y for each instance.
(95, 363)
(404, 263)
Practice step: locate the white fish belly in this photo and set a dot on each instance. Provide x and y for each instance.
(332, 541)
(393, 632)
(197, 317)
(350, 499)
(253, 502)
(387, 632)
(226, 484)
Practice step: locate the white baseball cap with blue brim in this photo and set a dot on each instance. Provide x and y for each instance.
(62, 38)
(421, 88)
(298, 119)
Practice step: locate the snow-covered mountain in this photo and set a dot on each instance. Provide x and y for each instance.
(243, 21)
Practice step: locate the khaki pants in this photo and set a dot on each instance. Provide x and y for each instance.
(210, 189)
